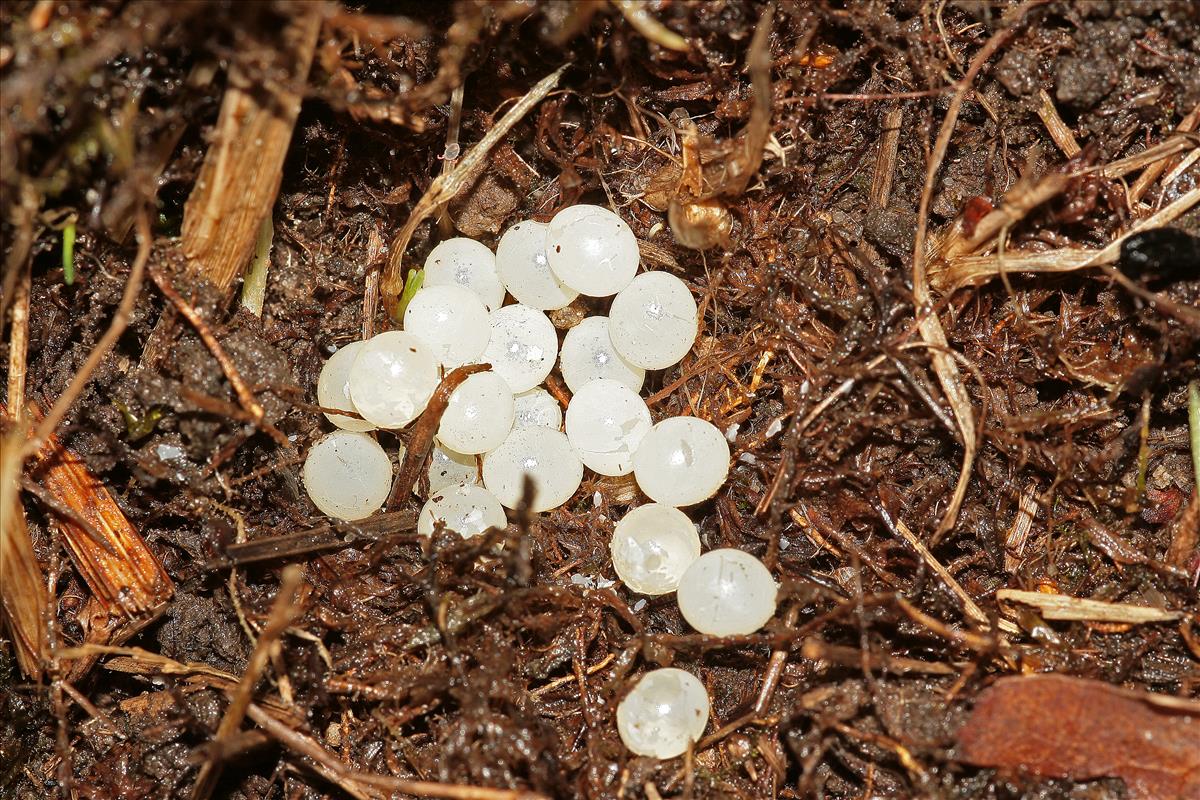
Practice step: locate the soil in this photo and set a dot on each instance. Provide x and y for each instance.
(446, 662)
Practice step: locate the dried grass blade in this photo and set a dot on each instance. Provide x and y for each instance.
(929, 325)
(1064, 607)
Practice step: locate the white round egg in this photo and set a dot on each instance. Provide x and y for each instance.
(333, 388)
(605, 424)
(468, 263)
(652, 546)
(347, 475)
(447, 467)
(523, 346)
(653, 321)
(464, 508)
(479, 414)
(452, 320)
(591, 250)
(393, 376)
(681, 461)
(727, 592)
(525, 271)
(664, 713)
(545, 456)
(588, 354)
(537, 408)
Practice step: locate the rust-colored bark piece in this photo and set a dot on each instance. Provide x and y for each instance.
(120, 569)
(1055, 726)
(240, 177)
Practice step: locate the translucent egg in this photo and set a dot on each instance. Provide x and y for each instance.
(523, 346)
(543, 454)
(666, 711)
(447, 467)
(681, 461)
(333, 388)
(468, 263)
(479, 414)
(466, 509)
(524, 270)
(591, 250)
(653, 321)
(392, 378)
(588, 354)
(452, 320)
(727, 593)
(347, 475)
(605, 424)
(652, 546)
(537, 408)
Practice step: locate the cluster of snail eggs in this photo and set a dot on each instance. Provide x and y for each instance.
(501, 431)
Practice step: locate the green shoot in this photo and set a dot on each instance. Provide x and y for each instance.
(68, 253)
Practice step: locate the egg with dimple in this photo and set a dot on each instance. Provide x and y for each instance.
(347, 475)
(653, 322)
(592, 250)
(464, 508)
(666, 711)
(727, 592)
(523, 346)
(452, 320)
(479, 414)
(681, 461)
(588, 354)
(537, 408)
(468, 263)
(652, 546)
(545, 457)
(525, 270)
(605, 424)
(447, 466)
(333, 388)
(392, 378)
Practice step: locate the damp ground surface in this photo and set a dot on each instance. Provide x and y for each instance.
(456, 664)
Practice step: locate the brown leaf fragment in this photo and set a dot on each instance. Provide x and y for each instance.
(120, 569)
(1054, 726)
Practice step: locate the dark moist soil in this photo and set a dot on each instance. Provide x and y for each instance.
(98, 109)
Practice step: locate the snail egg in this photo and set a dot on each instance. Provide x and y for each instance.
(347, 475)
(537, 408)
(653, 321)
(588, 354)
(727, 593)
(464, 508)
(652, 546)
(452, 320)
(591, 250)
(605, 424)
(525, 271)
(666, 711)
(467, 263)
(479, 414)
(447, 467)
(681, 461)
(523, 346)
(542, 454)
(333, 388)
(392, 378)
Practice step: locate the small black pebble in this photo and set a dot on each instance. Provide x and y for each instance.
(1162, 253)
